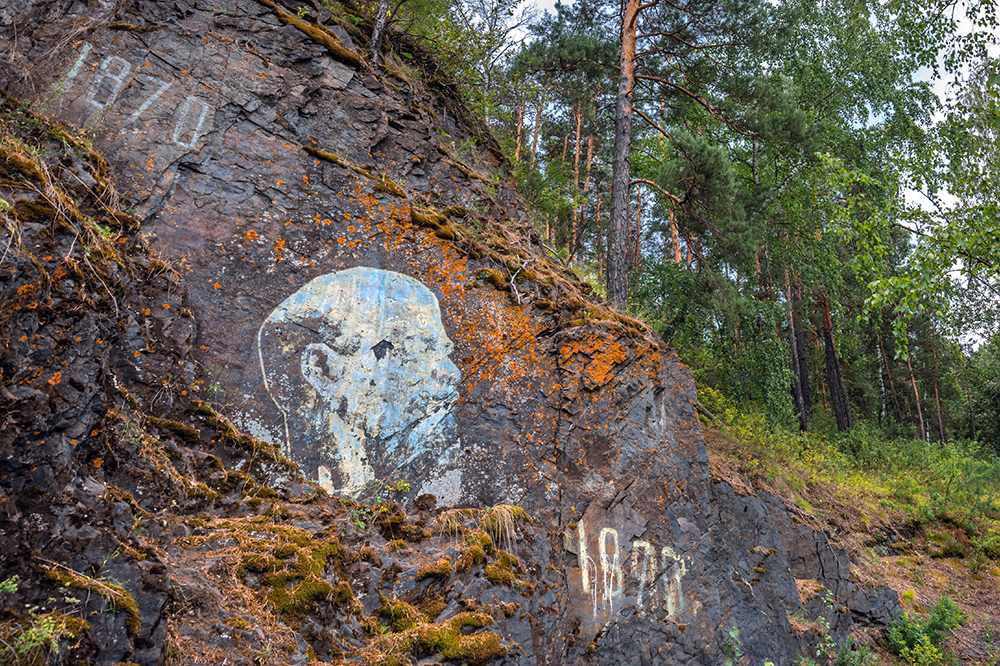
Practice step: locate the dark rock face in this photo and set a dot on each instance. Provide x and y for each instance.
(312, 209)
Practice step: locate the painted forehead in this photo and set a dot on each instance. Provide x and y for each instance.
(377, 295)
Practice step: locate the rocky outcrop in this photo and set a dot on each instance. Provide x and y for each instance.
(356, 286)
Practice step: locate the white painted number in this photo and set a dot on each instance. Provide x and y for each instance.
(113, 76)
(611, 567)
(645, 574)
(673, 571)
(108, 85)
(149, 100)
(67, 80)
(181, 130)
(645, 569)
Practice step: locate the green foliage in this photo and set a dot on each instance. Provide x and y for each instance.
(944, 617)
(850, 655)
(916, 640)
(733, 647)
(923, 653)
(9, 586)
(42, 635)
(373, 502)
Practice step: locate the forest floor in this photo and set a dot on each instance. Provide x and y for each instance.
(921, 560)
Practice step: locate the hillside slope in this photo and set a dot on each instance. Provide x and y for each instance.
(352, 282)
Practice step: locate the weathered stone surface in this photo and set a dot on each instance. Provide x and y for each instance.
(339, 319)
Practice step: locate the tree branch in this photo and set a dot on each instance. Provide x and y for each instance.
(697, 98)
(673, 197)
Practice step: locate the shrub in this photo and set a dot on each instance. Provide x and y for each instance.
(944, 617)
(851, 655)
(913, 639)
(923, 653)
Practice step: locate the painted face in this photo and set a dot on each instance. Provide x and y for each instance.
(357, 362)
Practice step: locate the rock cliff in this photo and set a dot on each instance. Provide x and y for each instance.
(312, 389)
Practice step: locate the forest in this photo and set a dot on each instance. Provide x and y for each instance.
(800, 197)
(777, 188)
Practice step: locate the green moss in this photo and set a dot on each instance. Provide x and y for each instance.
(115, 595)
(318, 35)
(509, 608)
(295, 602)
(238, 622)
(499, 576)
(396, 545)
(389, 186)
(369, 555)
(472, 556)
(494, 277)
(456, 211)
(479, 538)
(475, 649)
(507, 561)
(201, 491)
(401, 615)
(285, 551)
(432, 607)
(447, 639)
(440, 569)
(430, 218)
(342, 594)
(231, 434)
(32, 639)
(548, 307)
(185, 432)
(34, 212)
(74, 627)
(258, 563)
(134, 28)
(117, 493)
(234, 478)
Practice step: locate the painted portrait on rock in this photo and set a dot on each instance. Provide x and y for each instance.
(357, 363)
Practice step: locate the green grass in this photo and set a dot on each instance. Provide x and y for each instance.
(954, 484)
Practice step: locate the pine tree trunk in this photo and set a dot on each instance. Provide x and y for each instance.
(538, 122)
(576, 181)
(835, 377)
(800, 388)
(937, 397)
(618, 225)
(916, 397)
(675, 235)
(586, 177)
(520, 121)
(800, 345)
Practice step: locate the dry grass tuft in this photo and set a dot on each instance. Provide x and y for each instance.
(501, 521)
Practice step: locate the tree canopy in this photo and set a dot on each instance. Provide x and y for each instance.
(776, 187)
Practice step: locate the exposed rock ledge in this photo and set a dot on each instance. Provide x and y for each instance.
(357, 289)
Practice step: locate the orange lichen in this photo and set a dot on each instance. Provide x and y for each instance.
(601, 355)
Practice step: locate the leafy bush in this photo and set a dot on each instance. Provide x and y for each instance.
(944, 617)
(851, 655)
(915, 640)
(923, 653)
(904, 633)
